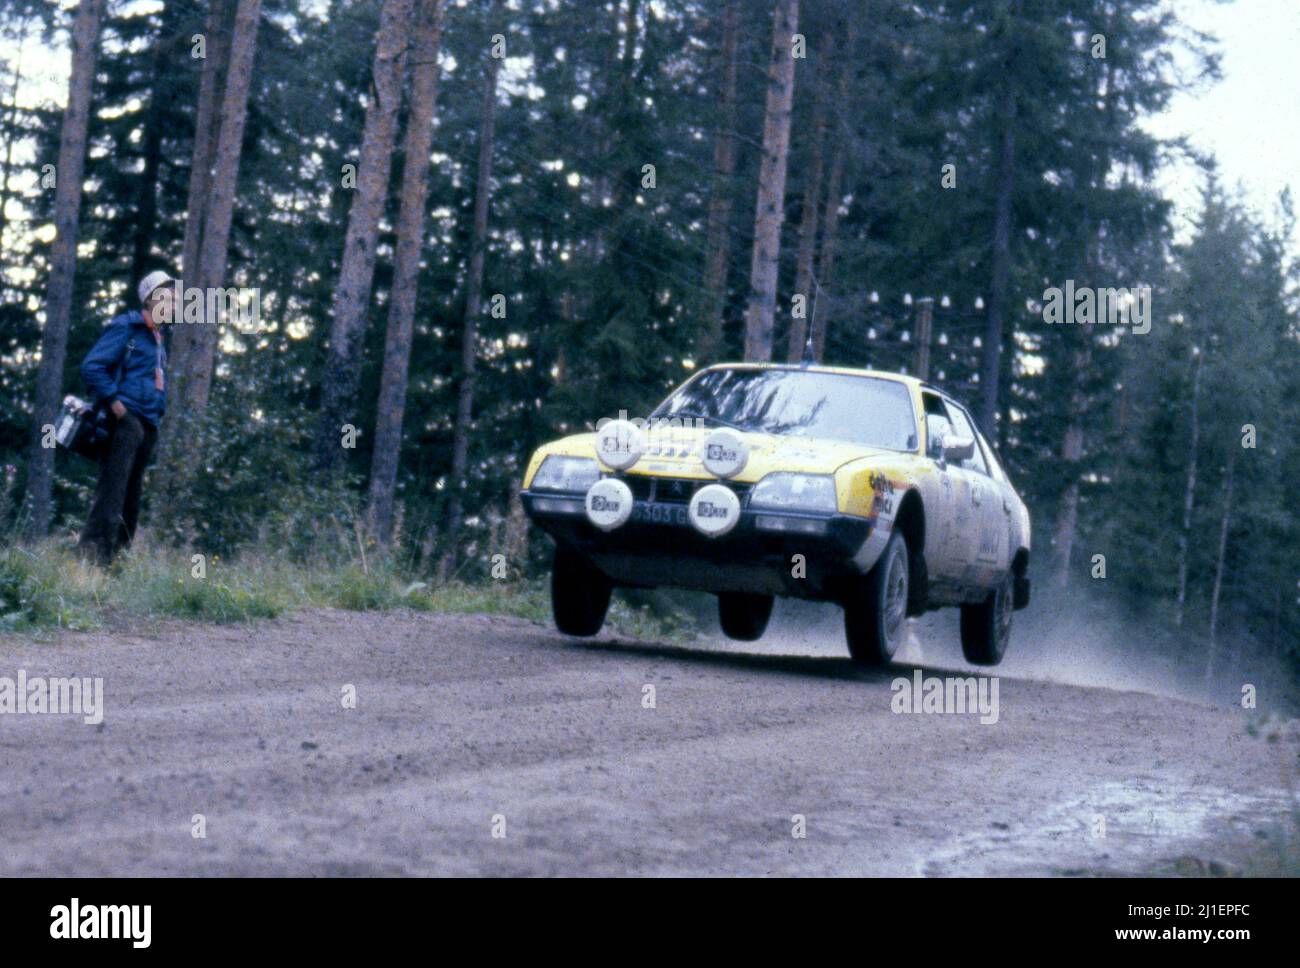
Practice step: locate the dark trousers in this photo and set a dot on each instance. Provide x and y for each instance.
(116, 508)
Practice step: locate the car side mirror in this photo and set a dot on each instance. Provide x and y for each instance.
(934, 444)
(958, 449)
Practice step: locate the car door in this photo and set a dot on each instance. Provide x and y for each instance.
(1009, 503)
(988, 554)
(957, 521)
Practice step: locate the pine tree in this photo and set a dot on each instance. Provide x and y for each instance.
(810, 215)
(410, 237)
(473, 299)
(356, 274)
(722, 192)
(769, 215)
(63, 258)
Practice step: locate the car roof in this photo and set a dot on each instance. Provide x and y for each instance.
(816, 368)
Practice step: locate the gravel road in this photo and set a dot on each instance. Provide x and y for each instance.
(487, 745)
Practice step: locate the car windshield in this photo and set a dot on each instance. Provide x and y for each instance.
(800, 403)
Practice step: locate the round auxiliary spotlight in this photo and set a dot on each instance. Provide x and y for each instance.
(608, 503)
(725, 453)
(714, 510)
(619, 444)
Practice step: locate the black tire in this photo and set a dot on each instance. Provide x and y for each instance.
(744, 616)
(875, 621)
(986, 626)
(579, 594)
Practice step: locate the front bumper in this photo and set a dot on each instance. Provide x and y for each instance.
(658, 547)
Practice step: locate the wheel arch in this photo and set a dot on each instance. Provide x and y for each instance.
(910, 521)
(1020, 578)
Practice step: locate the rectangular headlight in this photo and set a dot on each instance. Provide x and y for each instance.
(795, 492)
(772, 522)
(557, 505)
(572, 475)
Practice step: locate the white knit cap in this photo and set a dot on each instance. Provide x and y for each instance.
(151, 282)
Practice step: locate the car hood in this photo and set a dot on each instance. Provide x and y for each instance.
(677, 453)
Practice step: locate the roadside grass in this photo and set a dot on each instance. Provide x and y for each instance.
(46, 591)
(48, 588)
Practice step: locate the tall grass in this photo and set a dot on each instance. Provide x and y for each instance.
(48, 587)
(47, 590)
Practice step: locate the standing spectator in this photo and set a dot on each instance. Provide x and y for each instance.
(125, 373)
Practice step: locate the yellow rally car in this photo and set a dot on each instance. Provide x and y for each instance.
(872, 490)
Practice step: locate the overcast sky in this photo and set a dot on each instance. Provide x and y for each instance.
(1250, 120)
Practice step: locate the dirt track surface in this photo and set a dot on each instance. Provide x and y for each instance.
(460, 719)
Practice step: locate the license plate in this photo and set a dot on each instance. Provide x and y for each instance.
(660, 513)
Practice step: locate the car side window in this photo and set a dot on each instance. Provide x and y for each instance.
(995, 469)
(963, 427)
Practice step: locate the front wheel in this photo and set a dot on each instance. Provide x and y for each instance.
(875, 620)
(986, 626)
(743, 616)
(579, 593)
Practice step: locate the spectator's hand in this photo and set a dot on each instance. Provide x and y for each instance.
(119, 411)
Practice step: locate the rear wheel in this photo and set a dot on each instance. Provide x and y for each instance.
(579, 593)
(986, 626)
(875, 621)
(744, 616)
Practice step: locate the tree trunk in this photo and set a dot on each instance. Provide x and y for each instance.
(207, 127)
(834, 196)
(1072, 445)
(194, 345)
(207, 124)
(391, 407)
(830, 243)
(1219, 566)
(1189, 495)
(221, 200)
(173, 454)
(991, 352)
(473, 304)
(357, 271)
(63, 258)
(804, 282)
(718, 246)
(1067, 508)
(770, 204)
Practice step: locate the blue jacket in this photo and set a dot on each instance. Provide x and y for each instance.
(121, 367)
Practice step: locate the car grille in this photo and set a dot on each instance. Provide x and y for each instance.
(675, 490)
